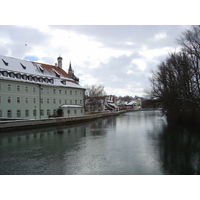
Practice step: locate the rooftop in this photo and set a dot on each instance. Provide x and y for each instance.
(34, 70)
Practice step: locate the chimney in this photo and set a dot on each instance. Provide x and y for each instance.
(59, 62)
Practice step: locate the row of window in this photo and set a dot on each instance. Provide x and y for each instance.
(27, 77)
(27, 89)
(27, 113)
(18, 100)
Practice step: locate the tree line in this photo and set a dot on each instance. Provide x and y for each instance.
(176, 83)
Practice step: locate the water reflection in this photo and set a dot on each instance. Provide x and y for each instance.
(179, 150)
(131, 143)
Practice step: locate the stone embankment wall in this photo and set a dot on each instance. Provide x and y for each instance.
(19, 124)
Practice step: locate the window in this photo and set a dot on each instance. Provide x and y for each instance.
(46, 80)
(23, 66)
(9, 99)
(41, 79)
(9, 87)
(9, 113)
(65, 101)
(74, 111)
(18, 113)
(70, 101)
(63, 82)
(34, 113)
(34, 100)
(54, 101)
(26, 89)
(35, 79)
(18, 88)
(40, 69)
(47, 90)
(51, 81)
(42, 112)
(81, 102)
(81, 110)
(48, 112)
(54, 112)
(24, 76)
(60, 91)
(12, 75)
(70, 92)
(0, 113)
(27, 113)
(60, 101)
(54, 91)
(5, 62)
(30, 78)
(41, 100)
(26, 100)
(18, 100)
(34, 89)
(41, 90)
(48, 101)
(5, 73)
(18, 76)
(65, 91)
(75, 92)
(75, 101)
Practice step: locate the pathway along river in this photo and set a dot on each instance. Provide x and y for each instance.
(131, 143)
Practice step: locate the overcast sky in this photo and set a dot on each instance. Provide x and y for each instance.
(118, 57)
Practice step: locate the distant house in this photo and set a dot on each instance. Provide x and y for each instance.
(110, 103)
(32, 90)
(131, 105)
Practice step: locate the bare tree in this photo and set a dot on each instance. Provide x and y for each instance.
(176, 84)
(95, 97)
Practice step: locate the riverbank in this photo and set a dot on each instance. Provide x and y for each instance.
(30, 124)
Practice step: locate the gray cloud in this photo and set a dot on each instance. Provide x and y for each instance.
(118, 71)
(19, 36)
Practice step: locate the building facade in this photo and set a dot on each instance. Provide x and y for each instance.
(31, 90)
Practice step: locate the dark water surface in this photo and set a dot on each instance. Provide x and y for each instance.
(133, 143)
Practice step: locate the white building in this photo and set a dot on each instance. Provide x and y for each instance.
(31, 90)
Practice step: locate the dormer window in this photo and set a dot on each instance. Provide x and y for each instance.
(46, 80)
(40, 79)
(30, 78)
(24, 67)
(24, 77)
(51, 81)
(12, 75)
(41, 69)
(5, 62)
(5, 73)
(63, 82)
(35, 79)
(18, 76)
(57, 74)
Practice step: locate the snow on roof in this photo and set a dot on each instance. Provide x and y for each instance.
(71, 106)
(131, 103)
(112, 104)
(35, 69)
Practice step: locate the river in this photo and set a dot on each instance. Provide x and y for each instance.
(133, 143)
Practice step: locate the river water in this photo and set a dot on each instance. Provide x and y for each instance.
(133, 143)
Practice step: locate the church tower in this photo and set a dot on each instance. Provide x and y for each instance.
(71, 73)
